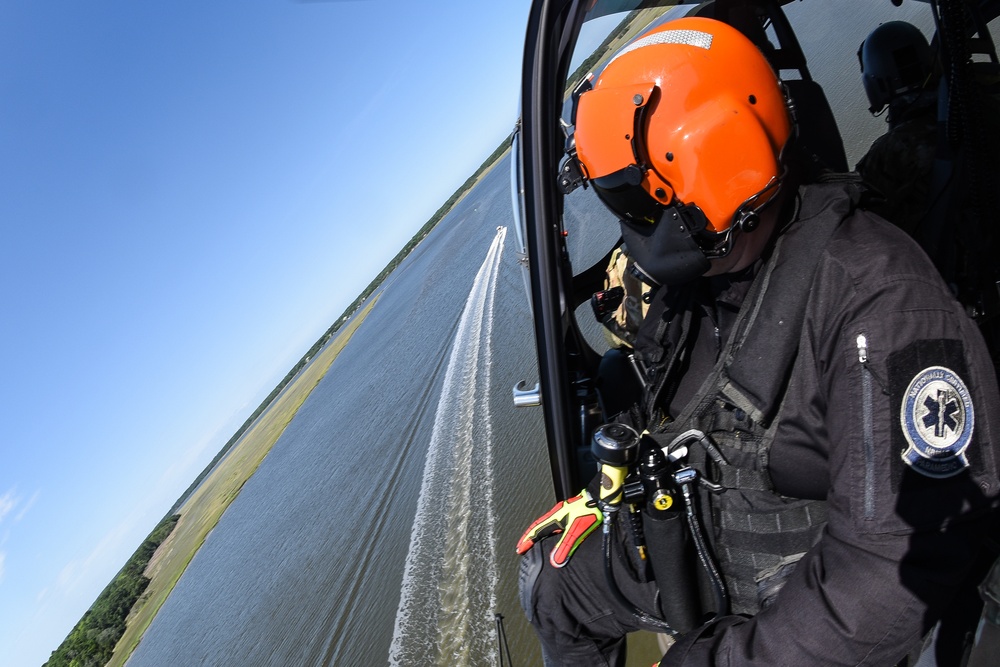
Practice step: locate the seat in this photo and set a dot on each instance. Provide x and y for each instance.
(817, 128)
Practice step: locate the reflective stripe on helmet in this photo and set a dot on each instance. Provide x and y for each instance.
(702, 40)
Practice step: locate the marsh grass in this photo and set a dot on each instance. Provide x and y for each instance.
(202, 510)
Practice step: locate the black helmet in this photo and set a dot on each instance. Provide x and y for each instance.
(895, 59)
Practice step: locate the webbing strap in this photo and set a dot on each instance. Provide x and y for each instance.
(740, 478)
(790, 519)
(753, 369)
(738, 405)
(765, 347)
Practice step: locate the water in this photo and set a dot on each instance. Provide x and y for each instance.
(409, 450)
(454, 527)
(381, 527)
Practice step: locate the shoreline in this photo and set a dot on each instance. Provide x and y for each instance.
(202, 509)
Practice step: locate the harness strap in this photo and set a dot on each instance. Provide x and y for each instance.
(791, 519)
(740, 478)
(752, 371)
(764, 347)
(754, 530)
(754, 367)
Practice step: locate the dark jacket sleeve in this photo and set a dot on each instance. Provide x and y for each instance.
(896, 396)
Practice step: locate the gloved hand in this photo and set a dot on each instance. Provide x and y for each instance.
(575, 518)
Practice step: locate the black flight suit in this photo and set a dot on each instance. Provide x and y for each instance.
(904, 541)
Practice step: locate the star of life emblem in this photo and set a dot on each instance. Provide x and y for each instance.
(937, 420)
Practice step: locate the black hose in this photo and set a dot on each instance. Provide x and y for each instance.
(707, 562)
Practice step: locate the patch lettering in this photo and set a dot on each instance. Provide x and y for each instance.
(937, 419)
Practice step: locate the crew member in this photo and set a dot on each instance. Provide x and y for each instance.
(804, 365)
(899, 73)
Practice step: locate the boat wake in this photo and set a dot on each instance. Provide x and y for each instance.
(445, 613)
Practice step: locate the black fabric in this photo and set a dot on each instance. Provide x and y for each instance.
(768, 348)
(714, 308)
(752, 373)
(666, 252)
(531, 566)
(987, 640)
(679, 653)
(577, 618)
(662, 344)
(885, 568)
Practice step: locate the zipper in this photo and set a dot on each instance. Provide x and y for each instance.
(868, 436)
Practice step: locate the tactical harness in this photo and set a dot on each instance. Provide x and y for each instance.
(757, 535)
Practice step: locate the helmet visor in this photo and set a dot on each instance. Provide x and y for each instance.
(623, 193)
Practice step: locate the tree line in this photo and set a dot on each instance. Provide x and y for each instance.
(348, 312)
(588, 65)
(92, 641)
(377, 281)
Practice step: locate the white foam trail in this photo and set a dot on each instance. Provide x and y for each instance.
(445, 614)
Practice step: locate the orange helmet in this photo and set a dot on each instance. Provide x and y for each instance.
(688, 118)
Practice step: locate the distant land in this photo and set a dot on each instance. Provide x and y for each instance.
(625, 31)
(351, 309)
(126, 607)
(113, 626)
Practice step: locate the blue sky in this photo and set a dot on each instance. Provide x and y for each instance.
(190, 194)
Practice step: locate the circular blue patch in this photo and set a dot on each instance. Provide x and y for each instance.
(937, 420)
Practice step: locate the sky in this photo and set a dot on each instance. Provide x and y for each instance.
(190, 194)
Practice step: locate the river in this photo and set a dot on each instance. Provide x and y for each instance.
(383, 521)
(381, 527)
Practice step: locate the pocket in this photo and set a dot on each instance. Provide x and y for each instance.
(905, 423)
(867, 427)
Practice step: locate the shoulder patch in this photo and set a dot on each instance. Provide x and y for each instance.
(937, 418)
